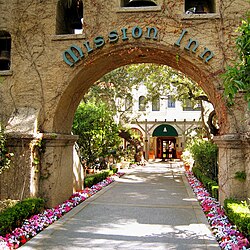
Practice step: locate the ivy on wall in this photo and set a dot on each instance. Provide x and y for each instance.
(5, 156)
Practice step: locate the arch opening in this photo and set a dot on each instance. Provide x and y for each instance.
(138, 3)
(86, 74)
(69, 16)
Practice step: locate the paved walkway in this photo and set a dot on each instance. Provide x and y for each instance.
(151, 207)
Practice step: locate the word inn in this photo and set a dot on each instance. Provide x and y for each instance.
(193, 45)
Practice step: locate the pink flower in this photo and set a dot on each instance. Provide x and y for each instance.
(37, 223)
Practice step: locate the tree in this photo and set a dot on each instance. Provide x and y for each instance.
(237, 77)
(160, 80)
(113, 88)
(98, 133)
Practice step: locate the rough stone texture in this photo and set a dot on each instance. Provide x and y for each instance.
(56, 174)
(15, 182)
(232, 159)
(40, 80)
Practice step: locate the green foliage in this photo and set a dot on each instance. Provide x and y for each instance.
(240, 175)
(160, 81)
(14, 216)
(98, 133)
(5, 156)
(237, 77)
(205, 154)
(211, 185)
(238, 212)
(115, 170)
(91, 180)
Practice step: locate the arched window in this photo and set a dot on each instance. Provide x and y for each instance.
(156, 104)
(199, 7)
(5, 48)
(128, 103)
(142, 103)
(137, 3)
(69, 16)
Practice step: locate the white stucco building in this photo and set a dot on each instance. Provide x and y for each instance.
(163, 124)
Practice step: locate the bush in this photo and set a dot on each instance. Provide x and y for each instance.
(238, 212)
(205, 154)
(14, 216)
(93, 179)
(211, 185)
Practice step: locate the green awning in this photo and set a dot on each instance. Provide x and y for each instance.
(165, 130)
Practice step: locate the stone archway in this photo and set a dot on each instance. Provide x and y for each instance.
(85, 75)
(42, 92)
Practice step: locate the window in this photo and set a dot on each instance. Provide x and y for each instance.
(188, 105)
(137, 3)
(171, 102)
(156, 104)
(5, 48)
(142, 103)
(128, 103)
(69, 16)
(199, 7)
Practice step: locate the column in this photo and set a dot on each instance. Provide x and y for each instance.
(42, 167)
(232, 158)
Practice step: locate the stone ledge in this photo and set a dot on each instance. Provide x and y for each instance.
(6, 72)
(228, 140)
(138, 9)
(200, 16)
(52, 139)
(68, 37)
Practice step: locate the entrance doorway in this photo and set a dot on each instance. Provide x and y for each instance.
(166, 148)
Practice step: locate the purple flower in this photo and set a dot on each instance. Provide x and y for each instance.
(227, 235)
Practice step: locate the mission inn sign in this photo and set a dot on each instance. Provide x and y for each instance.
(72, 55)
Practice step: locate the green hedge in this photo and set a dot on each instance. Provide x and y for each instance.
(211, 185)
(238, 212)
(205, 154)
(93, 179)
(14, 216)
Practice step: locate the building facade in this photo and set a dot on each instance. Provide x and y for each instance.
(163, 123)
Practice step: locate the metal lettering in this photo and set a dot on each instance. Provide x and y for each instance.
(71, 53)
(209, 56)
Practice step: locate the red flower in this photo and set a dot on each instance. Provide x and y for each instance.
(23, 239)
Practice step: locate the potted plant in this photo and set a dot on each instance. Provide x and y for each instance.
(187, 160)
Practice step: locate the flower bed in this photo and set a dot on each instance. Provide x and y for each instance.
(37, 223)
(227, 235)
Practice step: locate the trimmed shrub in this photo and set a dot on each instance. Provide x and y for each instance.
(238, 212)
(211, 185)
(14, 216)
(93, 179)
